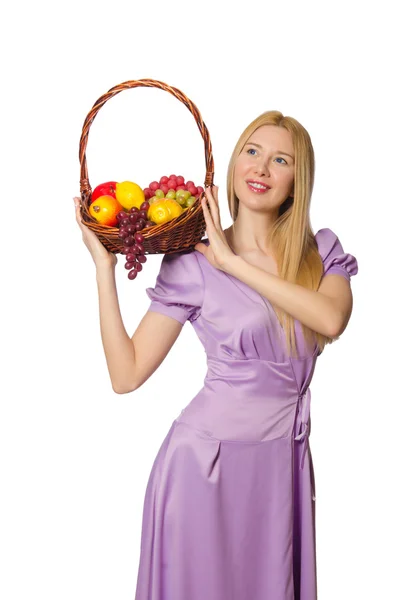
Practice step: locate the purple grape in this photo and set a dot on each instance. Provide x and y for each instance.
(133, 217)
(122, 215)
(132, 274)
(143, 214)
(123, 234)
(139, 238)
(138, 266)
(131, 228)
(131, 257)
(140, 225)
(134, 209)
(140, 248)
(142, 258)
(126, 250)
(129, 241)
(125, 222)
(129, 265)
(135, 249)
(145, 205)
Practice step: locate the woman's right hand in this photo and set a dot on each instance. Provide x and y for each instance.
(99, 254)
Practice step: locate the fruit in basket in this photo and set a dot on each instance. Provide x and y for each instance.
(182, 196)
(174, 208)
(170, 186)
(130, 208)
(163, 210)
(104, 189)
(129, 194)
(104, 209)
(158, 212)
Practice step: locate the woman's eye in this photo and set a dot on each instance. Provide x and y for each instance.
(250, 150)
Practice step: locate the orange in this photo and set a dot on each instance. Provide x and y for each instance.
(104, 209)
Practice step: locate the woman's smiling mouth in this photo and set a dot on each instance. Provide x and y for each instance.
(257, 187)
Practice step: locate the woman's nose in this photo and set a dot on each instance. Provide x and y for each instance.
(261, 168)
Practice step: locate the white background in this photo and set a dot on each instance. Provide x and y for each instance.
(74, 456)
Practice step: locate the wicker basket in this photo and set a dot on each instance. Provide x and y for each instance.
(179, 234)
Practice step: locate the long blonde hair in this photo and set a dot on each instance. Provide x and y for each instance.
(291, 238)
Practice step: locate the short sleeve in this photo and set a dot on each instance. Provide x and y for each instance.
(335, 260)
(179, 288)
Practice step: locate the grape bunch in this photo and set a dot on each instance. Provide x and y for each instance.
(130, 225)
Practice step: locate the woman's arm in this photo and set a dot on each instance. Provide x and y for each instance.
(326, 311)
(119, 350)
(131, 361)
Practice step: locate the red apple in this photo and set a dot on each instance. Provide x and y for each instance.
(104, 189)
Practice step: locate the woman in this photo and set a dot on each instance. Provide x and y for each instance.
(229, 510)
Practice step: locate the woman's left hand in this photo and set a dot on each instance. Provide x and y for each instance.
(218, 253)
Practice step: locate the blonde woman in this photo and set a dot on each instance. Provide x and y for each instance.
(229, 510)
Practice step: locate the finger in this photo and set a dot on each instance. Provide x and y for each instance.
(207, 215)
(78, 205)
(78, 213)
(214, 207)
(216, 199)
(214, 196)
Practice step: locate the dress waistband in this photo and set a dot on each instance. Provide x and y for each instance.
(304, 412)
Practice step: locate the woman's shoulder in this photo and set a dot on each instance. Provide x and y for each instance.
(325, 237)
(336, 260)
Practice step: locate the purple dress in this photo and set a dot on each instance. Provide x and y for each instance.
(229, 510)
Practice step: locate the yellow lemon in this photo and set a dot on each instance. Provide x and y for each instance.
(158, 212)
(174, 207)
(164, 210)
(129, 194)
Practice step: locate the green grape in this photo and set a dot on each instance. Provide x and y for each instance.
(185, 194)
(159, 194)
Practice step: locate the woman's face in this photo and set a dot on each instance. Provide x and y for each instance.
(264, 160)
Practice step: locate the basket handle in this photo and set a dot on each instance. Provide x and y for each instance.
(85, 187)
